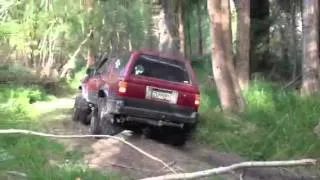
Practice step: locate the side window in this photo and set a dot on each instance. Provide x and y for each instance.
(104, 67)
(119, 64)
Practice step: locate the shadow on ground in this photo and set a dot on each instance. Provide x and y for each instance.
(111, 155)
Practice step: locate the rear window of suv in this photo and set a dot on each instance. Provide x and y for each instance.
(161, 68)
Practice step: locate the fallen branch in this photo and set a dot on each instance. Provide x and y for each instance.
(16, 173)
(293, 82)
(160, 170)
(243, 165)
(129, 167)
(22, 131)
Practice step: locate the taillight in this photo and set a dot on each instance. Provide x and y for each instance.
(122, 87)
(197, 100)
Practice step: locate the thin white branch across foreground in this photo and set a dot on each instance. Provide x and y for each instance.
(193, 175)
(22, 131)
(243, 165)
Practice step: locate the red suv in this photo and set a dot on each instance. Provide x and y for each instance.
(140, 89)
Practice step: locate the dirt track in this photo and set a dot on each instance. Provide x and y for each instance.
(111, 155)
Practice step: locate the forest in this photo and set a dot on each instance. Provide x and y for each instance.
(257, 63)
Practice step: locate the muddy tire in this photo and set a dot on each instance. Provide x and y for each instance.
(95, 122)
(107, 124)
(75, 114)
(181, 136)
(80, 114)
(179, 139)
(109, 128)
(76, 111)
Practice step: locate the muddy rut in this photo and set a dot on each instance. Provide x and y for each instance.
(111, 155)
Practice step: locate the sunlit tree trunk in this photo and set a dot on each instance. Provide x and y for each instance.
(181, 14)
(199, 23)
(88, 4)
(168, 42)
(293, 41)
(243, 42)
(223, 70)
(311, 67)
(188, 22)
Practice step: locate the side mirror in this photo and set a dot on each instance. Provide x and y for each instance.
(89, 71)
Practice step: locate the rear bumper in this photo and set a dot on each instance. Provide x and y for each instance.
(152, 113)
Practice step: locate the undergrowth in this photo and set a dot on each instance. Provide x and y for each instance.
(277, 124)
(37, 157)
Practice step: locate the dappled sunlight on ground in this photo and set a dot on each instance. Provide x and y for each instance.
(46, 107)
(108, 154)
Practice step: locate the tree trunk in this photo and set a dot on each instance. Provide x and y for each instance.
(311, 67)
(243, 42)
(181, 14)
(168, 42)
(200, 47)
(90, 59)
(223, 70)
(293, 40)
(260, 39)
(189, 33)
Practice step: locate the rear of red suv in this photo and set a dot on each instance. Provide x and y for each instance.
(155, 90)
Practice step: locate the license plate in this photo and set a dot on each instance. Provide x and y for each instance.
(161, 94)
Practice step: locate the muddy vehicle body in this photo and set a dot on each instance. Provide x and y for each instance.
(140, 89)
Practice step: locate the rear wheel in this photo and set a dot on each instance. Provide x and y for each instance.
(94, 122)
(181, 136)
(109, 128)
(180, 139)
(106, 120)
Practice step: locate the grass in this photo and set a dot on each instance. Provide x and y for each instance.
(75, 81)
(37, 157)
(276, 124)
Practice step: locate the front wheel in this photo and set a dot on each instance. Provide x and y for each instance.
(80, 113)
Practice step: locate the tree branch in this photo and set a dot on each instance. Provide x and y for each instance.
(16, 173)
(22, 131)
(243, 165)
(70, 62)
(293, 82)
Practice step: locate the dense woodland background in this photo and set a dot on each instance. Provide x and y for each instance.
(55, 38)
(258, 59)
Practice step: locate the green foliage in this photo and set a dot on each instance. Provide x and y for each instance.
(37, 157)
(276, 125)
(75, 82)
(202, 66)
(14, 73)
(18, 98)
(18, 82)
(40, 158)
(192, 18)
(43, 34)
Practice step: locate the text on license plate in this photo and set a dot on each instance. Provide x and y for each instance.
(161, 95)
